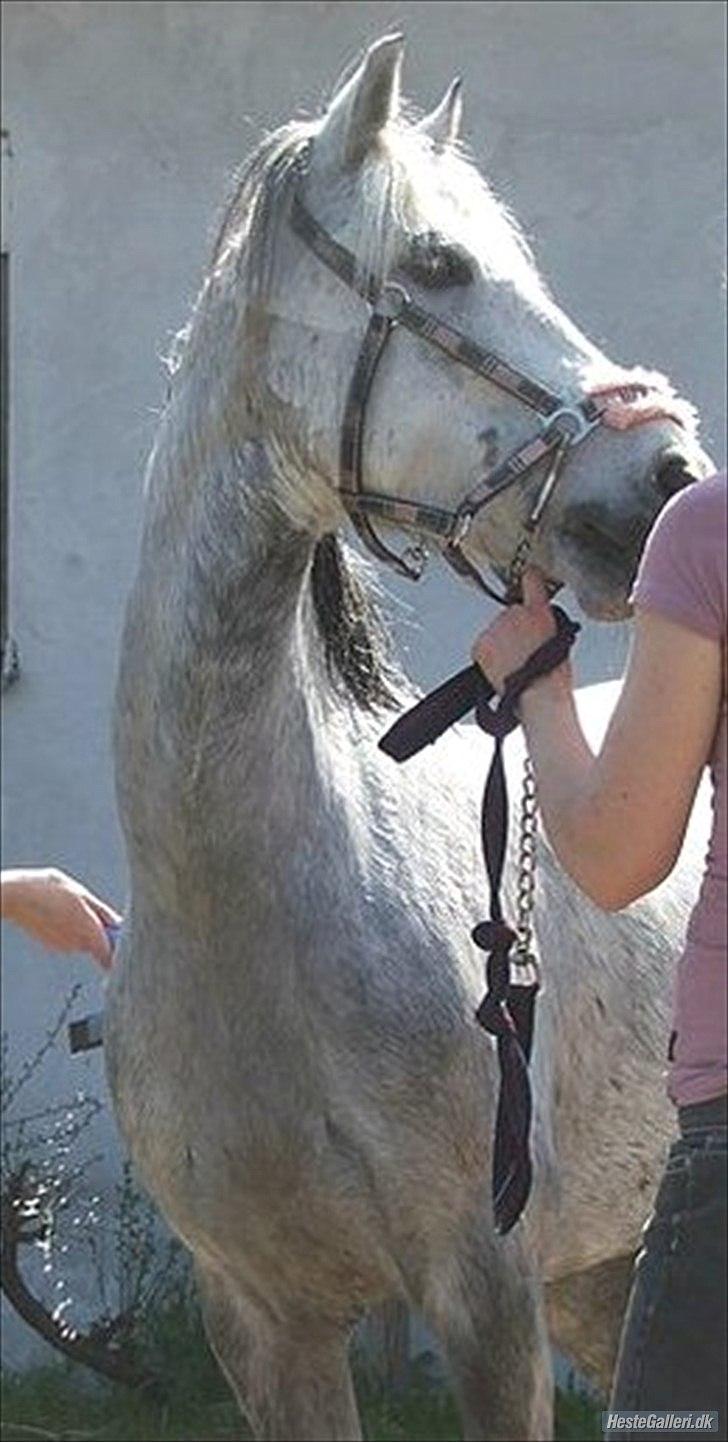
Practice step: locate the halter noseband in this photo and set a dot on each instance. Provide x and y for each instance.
(564, 425)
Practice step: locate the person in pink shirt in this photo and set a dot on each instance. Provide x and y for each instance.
(616, 821)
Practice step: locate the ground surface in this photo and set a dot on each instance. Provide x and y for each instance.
(56, 1404)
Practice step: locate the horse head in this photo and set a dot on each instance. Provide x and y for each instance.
(370, 221)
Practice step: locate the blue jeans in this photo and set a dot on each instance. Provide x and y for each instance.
(673, 1349)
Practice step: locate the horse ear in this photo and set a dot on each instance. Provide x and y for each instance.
(442, 125)
(364, 105)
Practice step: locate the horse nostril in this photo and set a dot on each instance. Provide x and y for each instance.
(672, 475)
(598, 531)
(609, 536)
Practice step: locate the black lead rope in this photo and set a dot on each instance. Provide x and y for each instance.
(507, 1010)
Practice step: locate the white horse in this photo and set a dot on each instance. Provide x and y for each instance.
(290, 1030)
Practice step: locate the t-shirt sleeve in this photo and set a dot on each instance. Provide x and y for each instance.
(682, 573)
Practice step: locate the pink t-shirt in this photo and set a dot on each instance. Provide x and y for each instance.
(683, 576)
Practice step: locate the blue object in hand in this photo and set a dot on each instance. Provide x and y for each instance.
(88, 1033)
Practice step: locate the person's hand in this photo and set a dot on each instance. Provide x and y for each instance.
(506, 644)
(58, 912)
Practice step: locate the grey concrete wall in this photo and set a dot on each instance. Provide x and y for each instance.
(601, 124)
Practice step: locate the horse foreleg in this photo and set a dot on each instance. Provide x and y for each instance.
(292, 1382)
(485, 1308)
(585, 1313)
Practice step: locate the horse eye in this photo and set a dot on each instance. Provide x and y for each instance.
(435, 263)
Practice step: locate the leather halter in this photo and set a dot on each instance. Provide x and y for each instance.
(564, 424)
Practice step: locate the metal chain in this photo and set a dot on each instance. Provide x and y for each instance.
(522, 954)
(526, 872)
(519, 563)
(528, 817)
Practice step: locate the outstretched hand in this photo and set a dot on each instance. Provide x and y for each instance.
(59, 912)
(515, 633)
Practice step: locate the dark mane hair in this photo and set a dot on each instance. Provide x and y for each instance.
(356, 641)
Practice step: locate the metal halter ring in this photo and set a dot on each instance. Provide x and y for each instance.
(392, 300)
(576, 421)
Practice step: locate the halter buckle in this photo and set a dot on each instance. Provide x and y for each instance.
(415, 560)
(461, 528)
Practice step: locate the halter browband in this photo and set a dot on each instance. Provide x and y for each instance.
(565, 424)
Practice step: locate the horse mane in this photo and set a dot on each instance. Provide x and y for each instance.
(245, 243)
(356, 641)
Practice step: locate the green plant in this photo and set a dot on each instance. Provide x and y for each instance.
(45, 1202)
(51, 1403)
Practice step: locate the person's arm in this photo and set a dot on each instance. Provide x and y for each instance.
(616, 820)
(58, 911)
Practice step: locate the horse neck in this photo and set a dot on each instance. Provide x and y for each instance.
(221, 663)
(235, 565)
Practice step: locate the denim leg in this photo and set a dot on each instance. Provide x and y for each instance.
(673, 1349)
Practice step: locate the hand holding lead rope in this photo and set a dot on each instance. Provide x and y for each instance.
(507, 1010)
